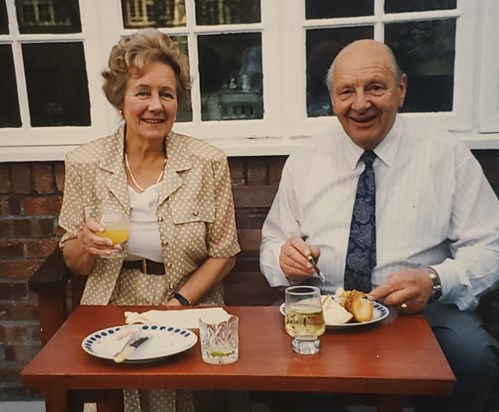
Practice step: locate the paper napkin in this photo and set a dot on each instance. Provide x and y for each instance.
(186, 318)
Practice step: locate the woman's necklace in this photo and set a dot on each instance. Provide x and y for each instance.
(129, 170)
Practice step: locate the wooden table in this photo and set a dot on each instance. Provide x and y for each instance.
(391, 359)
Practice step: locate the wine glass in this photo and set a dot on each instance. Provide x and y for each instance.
(304, 319)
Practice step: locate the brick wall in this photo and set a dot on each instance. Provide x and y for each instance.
(30, 199)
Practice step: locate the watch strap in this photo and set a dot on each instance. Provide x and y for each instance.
(437, 285)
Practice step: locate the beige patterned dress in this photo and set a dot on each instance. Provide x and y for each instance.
(195, 215)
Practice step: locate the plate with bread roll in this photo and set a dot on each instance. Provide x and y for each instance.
(349, 308)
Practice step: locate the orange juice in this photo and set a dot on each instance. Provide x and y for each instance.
(116, 234)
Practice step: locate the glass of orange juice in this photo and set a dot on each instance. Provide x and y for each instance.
(116, 227)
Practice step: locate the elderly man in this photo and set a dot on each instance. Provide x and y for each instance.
(396, 209)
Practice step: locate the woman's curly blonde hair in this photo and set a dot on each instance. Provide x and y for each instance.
(144, 47)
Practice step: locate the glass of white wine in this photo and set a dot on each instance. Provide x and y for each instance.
(116, 227)
(304, 320)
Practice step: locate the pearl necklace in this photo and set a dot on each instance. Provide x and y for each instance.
(129, 170)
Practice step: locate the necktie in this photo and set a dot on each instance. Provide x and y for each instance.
(361, 253)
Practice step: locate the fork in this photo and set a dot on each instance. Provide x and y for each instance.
(310, 258)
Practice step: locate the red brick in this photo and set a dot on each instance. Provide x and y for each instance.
(257, 171)
(21, 178)
(15, 333)
(237, 171)
(39, 249)
(275, 169)
(9, 206)
(21, 353)
(42, 206)
(22, 228)
(43, 178)
(21, 270)
(5, 180)
(59, 176)
(9, 250)
(34, 228)
(18, 312)
(13, 291)
(6, 228)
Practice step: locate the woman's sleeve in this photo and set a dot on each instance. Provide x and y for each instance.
(72, 215)
(222, 237)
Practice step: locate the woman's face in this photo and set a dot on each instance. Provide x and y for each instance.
(150, 103)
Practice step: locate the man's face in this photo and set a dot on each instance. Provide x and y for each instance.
(365, 93)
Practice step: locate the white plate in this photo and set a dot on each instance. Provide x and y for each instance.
(380, 312)
(164, 341)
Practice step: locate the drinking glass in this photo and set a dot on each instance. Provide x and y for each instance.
(219, 339)
(116, 227)
(304, 320)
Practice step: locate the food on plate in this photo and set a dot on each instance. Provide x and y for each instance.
(356, 303)
(334, 313)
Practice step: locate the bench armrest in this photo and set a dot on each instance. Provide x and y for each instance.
(49, 281)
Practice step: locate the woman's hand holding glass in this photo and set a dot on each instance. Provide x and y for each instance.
(105, 233)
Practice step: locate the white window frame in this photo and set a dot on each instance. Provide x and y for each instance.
(489, 78)
(285, 124)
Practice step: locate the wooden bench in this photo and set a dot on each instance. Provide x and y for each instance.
(59, 290)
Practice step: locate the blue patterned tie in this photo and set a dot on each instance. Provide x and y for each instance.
(361, 253)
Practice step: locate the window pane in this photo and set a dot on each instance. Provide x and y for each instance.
(230, 68)
(9, 103)
(57, 84)
(48, 16)
(324, 9)
(4, 21)
(425, 51)
(401, 6)
(184, 112)
(322, 47)
(213, 12)
(153, 13)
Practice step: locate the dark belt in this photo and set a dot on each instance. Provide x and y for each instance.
(149, 267)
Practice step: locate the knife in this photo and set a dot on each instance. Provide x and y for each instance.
(127, 351)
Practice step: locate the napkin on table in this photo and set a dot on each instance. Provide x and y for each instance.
(186, 318)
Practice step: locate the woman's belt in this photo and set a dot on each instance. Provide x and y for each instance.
(149, 267)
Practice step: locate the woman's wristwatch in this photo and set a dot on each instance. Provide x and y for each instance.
(436, 293)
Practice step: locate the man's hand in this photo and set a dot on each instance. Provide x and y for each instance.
(293, 259)
(408, 290)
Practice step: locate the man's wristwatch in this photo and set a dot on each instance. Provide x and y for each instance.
(437, 286)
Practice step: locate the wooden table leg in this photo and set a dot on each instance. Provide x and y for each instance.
(56, 401)
(113, 402)
(390, 403)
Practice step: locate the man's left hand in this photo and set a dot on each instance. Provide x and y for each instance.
(408, 290)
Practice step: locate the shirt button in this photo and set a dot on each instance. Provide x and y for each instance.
(160, 218)
(168, 265)
(195, 213)
(164, 243)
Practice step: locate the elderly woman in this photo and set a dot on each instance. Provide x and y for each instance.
(175, 189)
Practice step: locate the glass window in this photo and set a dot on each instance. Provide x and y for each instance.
(48, 16)
(184, 113)
(230, 69)
(213, 12)
(153, 13)
(403, 6)
(9, 103)
(322, 47)
(425, 51)
(4, 21)
(57, 84)
(325, 9)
